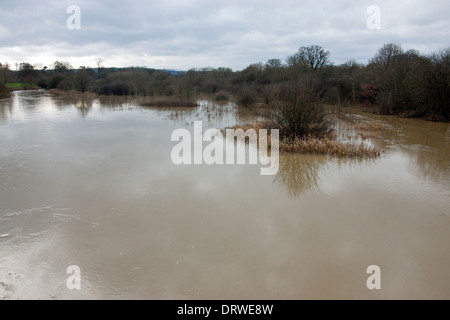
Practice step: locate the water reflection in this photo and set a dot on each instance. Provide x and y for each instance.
(84, 105)
(426, 144)
(428, 147)
(6, 109)
(300, 172)
(212, 114)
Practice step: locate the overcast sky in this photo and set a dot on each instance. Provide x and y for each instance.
(183, 34)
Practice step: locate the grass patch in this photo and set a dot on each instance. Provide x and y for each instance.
(21, 86)
(14, 85)
(373, 126)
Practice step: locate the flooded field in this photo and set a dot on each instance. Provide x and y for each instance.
(93, 185)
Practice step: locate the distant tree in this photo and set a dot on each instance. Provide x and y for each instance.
(251, 73)
(349, 80)
(66, 84)
(222, 72)
(61, 66)
(351, 65)
(27, 73)
(99, 63)
(397, 77)
(436, 85)
(101, 72)
(313, 57)
(293, 61)
(82, 79)
(387, 54)
(4, 75)
(274, 63)
(55, 80)
(4, 72)
(25, 69)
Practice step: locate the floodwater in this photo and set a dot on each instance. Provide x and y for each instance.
(92, 184)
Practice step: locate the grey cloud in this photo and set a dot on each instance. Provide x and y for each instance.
(197, 33)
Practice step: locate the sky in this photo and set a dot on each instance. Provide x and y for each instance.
(184, 34)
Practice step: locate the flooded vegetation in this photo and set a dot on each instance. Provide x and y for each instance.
(89, 182)
(351, 146)
(395, 81)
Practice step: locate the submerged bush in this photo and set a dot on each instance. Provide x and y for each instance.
(55, 80)
(301, 119)
(326, 145)
(246, 98)
(221, 97)
(119, 88)
(65, 85)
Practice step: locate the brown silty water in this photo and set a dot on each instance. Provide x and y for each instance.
(92, 184)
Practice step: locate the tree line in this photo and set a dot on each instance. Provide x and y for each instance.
(395, 81)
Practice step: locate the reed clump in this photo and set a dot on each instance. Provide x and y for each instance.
(75, 94)
(368, 130)
(330, 147)
(374, 126)
(326, 145)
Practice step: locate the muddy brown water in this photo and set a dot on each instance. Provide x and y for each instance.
(92, 184)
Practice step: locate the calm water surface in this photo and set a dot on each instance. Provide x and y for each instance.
(92, 184)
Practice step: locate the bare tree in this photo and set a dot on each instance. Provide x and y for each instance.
(387, 54)
(61, 66)
(314, 57)
(27, 73)
(436, 85)
(99, 63)
(4, 72)
(274, 63)
(82, 80)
